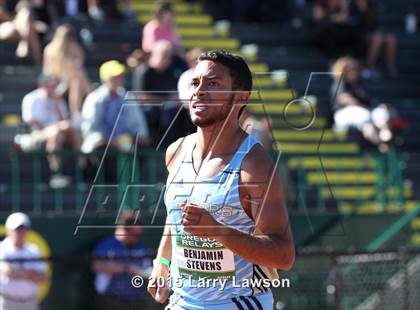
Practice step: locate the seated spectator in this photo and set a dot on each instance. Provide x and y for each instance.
(46, 115)
(161, 27)
(64, 58)
(105, 119)
(364, 15)
(109, 9)
(118, 259)
(249, 11)
(69, 8)
(45, 15)
(98, 10)
(20, 27)
(157, 82)
(20, 281)
(159, 74)
(137, 58)
(353, 105)
(333, 32)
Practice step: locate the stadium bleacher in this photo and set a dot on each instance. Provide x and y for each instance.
(279, 48)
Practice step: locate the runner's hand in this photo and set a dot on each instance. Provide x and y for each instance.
(199, 222)
(157, 286)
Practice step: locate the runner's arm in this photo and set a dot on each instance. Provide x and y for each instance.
(160, 272)
(165, 246)
(261, 194)
(261, 191)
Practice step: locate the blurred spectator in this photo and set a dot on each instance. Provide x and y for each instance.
(137, 58)
(353, 106)
(260, 11)
(363, 14)
(98, 10)
(161, 27)
(106, 119)
(19, 280)
(118, 259)
(64, 58)
(333, 32)
(157, 82)
(73, 8)
(46, 114)
(45, 14)
(69, 8)
(109, 9)
(159, 73)
(20, 27)
(184, 81)
(249, 10)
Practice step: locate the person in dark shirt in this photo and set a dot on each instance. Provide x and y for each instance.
(332, 30)
(156, 82)
(117, 259)
(363, 14)
(354, 108)
(158, 74)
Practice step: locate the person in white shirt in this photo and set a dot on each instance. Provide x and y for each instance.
(46, 114)
(20, 280)
(184, 81)
(107, 118)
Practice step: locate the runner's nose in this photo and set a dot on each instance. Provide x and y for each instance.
(199, 92)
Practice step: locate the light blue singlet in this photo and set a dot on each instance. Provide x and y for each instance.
(204, 274)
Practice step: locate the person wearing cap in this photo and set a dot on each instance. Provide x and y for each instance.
(107, 118)
(46, 115)
(19, 279)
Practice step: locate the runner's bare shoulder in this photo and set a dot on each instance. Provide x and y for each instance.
(257, 165)
(176, 148)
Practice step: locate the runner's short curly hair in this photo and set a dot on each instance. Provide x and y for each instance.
(239, 70)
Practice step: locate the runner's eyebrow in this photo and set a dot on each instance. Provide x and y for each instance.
(211, 77)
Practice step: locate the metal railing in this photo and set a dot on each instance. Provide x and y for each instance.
(24, 180)
(388, 183)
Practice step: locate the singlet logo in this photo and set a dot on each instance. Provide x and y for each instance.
(220, 211)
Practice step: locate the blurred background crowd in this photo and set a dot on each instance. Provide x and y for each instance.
(68, 109)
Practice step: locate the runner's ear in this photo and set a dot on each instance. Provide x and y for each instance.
(243, 96)
(241, 101)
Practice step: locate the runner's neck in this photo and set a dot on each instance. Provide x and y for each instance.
(217, 140)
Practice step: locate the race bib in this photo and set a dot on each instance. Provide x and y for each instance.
(203, 258)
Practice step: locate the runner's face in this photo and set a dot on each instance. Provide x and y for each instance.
(211, 96)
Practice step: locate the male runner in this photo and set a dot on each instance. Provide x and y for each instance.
(227, 224)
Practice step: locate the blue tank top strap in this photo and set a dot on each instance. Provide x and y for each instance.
(243, 150)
